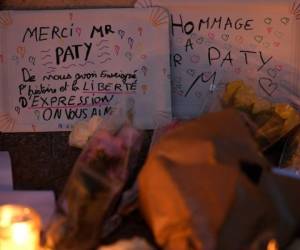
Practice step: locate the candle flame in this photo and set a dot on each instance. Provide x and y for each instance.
(21, 232)
(6, 217)
(19, 228)
(272, 245)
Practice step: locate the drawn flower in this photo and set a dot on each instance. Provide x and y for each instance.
(5, 19)
(158, 15)
(7, 123)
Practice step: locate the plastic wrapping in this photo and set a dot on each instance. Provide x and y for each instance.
(290, 157)
(269, 121)
(129, 244)
(89, 207)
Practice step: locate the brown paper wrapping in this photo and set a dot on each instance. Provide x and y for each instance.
(196, 176)
(91, 205)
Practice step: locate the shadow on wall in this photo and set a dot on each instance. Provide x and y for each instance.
(39, 160)
(58, 4)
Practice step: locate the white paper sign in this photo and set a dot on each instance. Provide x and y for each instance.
(214, 42)
(59, 67)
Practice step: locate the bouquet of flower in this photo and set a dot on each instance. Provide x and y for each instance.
(91, 204)
(270, 122)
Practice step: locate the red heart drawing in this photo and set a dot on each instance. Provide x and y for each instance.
(239, 39)
(195, 59)
(269, 29)
(211, 35)
(276, 44)
(237, 70)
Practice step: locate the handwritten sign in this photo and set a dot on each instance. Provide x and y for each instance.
(71, 65)
(214, 42)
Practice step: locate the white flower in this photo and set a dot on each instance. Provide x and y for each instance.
(133, 244)
(82, 131)
(94, 123)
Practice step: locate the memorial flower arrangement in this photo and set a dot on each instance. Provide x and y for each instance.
(95, 196)
(202, 180)
(271, 121)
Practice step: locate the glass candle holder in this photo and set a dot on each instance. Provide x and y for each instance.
(19, 228)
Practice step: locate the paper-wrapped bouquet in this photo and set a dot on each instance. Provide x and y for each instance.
(90, 205)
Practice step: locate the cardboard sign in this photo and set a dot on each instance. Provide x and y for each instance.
(214, 42)
(59, 67)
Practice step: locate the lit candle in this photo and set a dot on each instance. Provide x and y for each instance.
(19, 228)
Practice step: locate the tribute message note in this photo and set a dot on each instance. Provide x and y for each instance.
(75, 64)
(214, 42)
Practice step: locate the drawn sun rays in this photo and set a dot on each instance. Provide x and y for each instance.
(144, 3)
(5, 19)
(295, 9)
(7, 123)
(158, 16)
